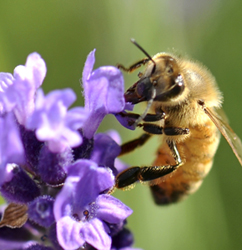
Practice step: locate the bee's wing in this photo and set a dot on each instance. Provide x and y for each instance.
(220, 120)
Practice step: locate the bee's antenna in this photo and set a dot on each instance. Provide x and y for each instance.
(137, 45)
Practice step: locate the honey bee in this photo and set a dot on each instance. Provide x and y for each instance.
(185, 105)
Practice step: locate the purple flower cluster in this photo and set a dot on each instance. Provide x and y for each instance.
(55, 170)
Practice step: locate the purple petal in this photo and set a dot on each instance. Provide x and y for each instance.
(68, 233)
(76, 117)
(129, 106)
(103, 92)
(105, 150)
(6, 80)
(120, 165)
(27, 79)
(54, 123)
(126, 121)
(95, 234)
(84, 183)
(7, 95)
(34, 70)
(95, 180)
(63, 202)
(11, 147)
(114, 135)
(88, 67)
(111, 209)
(66, 138)
(65, 96)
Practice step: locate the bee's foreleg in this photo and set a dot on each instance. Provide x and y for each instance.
(157, 130)
(131, 145)
(148, 118)
(133, 174)
(134, 66)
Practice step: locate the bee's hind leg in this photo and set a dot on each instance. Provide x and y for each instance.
(133, 174)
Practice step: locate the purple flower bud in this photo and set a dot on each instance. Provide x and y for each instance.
(51, 167)
(84, 150)
(105, 151)
(21, 188)
(123, 239)
(40, 211)
(32, 148)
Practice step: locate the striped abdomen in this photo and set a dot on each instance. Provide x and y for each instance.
(197, 154)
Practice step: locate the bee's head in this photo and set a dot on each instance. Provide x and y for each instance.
(161, 81)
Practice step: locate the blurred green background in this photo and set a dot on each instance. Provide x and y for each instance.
(64, 32)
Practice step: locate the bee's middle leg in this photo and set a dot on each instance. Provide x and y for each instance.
(131, 145)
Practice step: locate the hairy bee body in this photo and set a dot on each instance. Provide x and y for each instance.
(183, 100)
(197, 149)
(197, 153)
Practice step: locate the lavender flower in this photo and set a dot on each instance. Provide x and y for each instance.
(7, 100)
(53, 164)
(103, 92)
(83, 216)
(55, 124)
(11, 147)
(18, 91)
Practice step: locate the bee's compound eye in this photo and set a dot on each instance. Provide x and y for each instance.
(170, 70)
